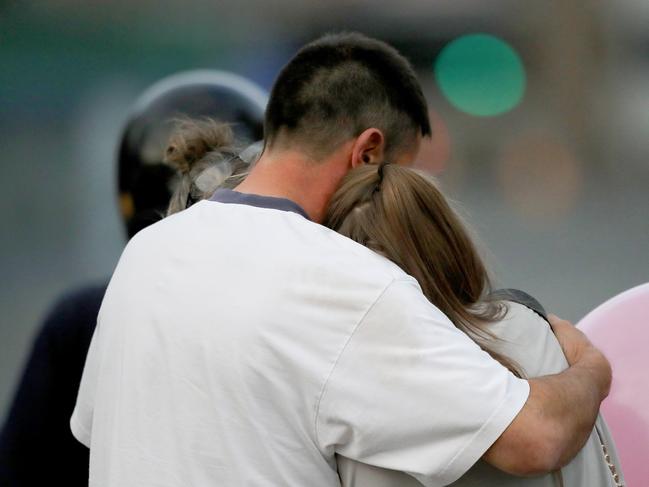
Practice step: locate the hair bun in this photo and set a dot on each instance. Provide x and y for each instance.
(192, 139)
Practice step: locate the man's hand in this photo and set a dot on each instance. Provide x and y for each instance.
(560, 411)
(579, 350)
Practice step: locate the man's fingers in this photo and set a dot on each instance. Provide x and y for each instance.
(576, 345)
(555, 321)
(572, 341)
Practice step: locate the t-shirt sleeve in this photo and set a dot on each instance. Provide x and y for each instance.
(81, 420)
(410, 392)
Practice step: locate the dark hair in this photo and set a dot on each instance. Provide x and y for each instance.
(341, 84)
(400, 214)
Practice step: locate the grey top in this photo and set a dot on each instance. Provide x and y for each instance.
(527, 339)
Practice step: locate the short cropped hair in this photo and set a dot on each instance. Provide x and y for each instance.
(336, 87)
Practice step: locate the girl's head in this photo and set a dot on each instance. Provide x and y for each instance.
(399, 213)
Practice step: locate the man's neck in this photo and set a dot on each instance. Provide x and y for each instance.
(294, 176)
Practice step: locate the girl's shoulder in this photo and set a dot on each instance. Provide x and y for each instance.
(521, 297)
(524, 335)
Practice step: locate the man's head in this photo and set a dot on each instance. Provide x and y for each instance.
(343, 87)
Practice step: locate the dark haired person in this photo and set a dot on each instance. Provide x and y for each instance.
(36, 445)
(242, 343)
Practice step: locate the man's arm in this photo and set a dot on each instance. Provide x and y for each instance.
(410, 392)
(560, 412)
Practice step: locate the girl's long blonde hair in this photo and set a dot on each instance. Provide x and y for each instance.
(399, 213)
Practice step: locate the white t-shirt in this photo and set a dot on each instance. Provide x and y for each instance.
(240, 343)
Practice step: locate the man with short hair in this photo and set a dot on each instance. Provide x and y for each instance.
(242, 343)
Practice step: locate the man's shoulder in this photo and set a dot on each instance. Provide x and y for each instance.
(359, 257)
(287, 237)
(346, 255)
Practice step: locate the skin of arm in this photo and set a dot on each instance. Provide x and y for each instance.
(560, 411)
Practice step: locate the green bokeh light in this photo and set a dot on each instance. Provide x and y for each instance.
(480, 74)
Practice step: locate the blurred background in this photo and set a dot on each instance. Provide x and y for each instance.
(540, 111)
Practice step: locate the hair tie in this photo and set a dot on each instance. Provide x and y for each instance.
(380, 172)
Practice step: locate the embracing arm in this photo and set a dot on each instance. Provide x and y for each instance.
(560, 411)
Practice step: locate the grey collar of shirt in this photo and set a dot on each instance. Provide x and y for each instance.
(230, 196)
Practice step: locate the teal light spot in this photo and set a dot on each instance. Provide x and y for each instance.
(480, 75)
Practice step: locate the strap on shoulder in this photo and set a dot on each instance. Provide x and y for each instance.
(521, 297)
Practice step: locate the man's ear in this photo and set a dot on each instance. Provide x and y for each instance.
(368, 148)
